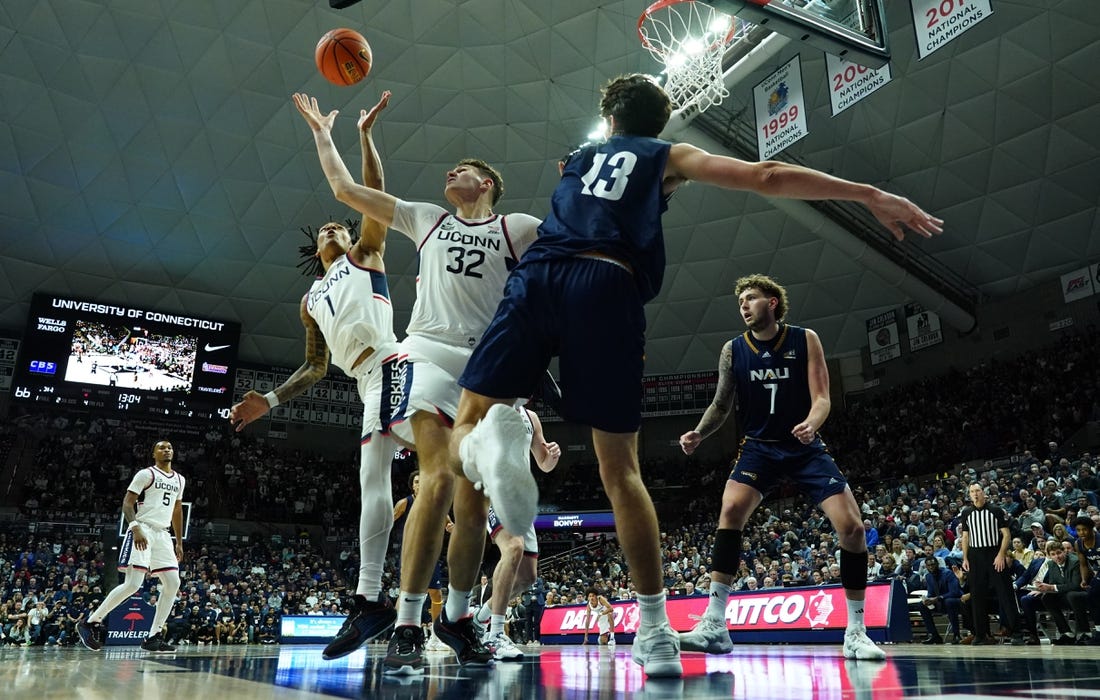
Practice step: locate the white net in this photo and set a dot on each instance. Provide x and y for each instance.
(690, 38)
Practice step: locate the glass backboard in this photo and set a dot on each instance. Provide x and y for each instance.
(852, 29)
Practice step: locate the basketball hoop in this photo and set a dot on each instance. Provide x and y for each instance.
(689, 38)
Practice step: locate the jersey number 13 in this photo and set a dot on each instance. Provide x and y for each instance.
(614, 184)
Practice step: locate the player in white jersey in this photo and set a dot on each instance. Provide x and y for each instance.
(517, 567)
(599, 610)
(347, 313)
(151, 505)
(464, 258)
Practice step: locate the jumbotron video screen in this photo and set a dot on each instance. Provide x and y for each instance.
(104, 356)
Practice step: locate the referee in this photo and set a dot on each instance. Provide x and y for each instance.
(984, 538)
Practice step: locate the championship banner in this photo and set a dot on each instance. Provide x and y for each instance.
(774, 614)
(9, 350)
(1079, 283)
(780, 109)
(850, 82)
(882, 335)
(924, 327)
(938, 22)
(685, 393)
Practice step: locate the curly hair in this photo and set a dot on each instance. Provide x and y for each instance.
(489, 172)
(639, 106)
(770, 287)
(310, 263)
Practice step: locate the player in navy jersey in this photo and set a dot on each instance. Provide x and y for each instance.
(579, 292)
(775, 375)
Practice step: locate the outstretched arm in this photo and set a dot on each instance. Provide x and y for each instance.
(720, 406)
(254, 404)
(372, 235)
(368, 201)
(776, 179)
(546, 453)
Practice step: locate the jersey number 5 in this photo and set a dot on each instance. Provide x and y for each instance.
(613, 186)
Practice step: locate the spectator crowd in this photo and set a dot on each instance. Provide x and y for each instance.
(901, 449)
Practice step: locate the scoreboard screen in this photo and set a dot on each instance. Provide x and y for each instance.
(77, 353)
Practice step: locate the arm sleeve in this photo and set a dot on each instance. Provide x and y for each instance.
(416, 219)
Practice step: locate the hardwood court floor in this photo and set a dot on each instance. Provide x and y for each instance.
(551, 673)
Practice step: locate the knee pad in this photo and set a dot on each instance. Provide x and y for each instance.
(726, 555)
(853, 570)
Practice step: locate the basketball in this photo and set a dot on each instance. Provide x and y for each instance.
(343, 56)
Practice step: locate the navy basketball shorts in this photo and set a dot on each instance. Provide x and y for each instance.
(588, 313)
(762, 465)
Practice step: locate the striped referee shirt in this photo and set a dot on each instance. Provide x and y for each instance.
(983, 525)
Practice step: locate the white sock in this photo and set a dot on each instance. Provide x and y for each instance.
(131, 585)
(169, 587)
(483, 614)
(855, 614)
(375, 513)
(458, 604)
(652, 609)
(719, 599)
(410, 607)
(497, 624)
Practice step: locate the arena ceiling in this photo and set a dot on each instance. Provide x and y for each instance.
(150, 155)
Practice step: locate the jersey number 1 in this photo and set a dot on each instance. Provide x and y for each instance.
(613, 186)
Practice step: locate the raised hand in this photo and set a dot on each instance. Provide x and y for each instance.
(307, 107)
(366, 118)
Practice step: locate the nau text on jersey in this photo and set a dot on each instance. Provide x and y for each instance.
(757, 375)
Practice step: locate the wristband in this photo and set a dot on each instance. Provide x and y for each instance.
(272, 399)
(133, 524)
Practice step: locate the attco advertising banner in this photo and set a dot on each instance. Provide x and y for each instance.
(774, 610)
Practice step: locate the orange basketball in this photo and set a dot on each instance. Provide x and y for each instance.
(343, 56)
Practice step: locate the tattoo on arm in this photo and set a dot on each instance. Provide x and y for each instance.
(724, 395)
(315, 365)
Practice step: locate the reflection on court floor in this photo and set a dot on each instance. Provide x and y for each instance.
(553, 673)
